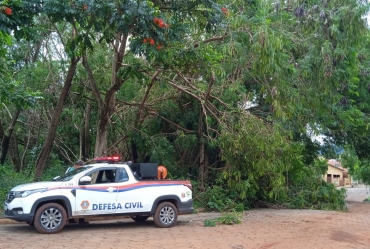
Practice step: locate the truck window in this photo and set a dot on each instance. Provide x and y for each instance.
(108, 176)
(122, 175)
(72, 173)
(103, 176)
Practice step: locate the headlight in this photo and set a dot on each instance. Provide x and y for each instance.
(22, 194)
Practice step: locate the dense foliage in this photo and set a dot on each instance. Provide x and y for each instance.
(226, 94)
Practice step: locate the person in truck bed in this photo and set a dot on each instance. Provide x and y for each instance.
(78, 164)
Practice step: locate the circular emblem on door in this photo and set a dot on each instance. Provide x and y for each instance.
(85, 204)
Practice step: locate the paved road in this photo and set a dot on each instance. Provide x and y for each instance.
(358, 193)
(261, 228)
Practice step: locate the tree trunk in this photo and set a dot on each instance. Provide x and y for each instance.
(201, 167)
(81, 141)
(201, 150)
(206, 163)
(4, 148)
(6, 141)
(85, 139)
(102, 133)
(108, 108)
(2, 133)
(135, 155)
(14, 154)
(26, 144)
(46, 149)
(203, 162)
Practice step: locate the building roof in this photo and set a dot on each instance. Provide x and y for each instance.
(337, 164)
(340, 168)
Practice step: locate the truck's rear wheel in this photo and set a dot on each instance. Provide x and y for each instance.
(50, 218)
(139, 218)
(165, 215)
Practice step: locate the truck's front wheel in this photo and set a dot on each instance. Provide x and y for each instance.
(50, 218)
(165, 215)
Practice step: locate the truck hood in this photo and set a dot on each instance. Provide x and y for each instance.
(36, 185)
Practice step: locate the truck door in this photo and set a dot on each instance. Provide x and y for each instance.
(132, 197)
(99, 197)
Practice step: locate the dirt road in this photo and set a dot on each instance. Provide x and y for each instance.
(262, 229)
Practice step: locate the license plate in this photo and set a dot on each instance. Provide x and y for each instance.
(5, 207)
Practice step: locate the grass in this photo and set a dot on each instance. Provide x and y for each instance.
(226, 219)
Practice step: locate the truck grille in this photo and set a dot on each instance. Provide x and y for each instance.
(10, 197)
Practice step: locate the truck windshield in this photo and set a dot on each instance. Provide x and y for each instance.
(71, 174)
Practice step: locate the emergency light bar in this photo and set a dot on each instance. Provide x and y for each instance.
(107, 159)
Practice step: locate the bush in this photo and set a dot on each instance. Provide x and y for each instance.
(218, 199)
(51, 172)
(10, 179)
(308, 191)
(315, 194)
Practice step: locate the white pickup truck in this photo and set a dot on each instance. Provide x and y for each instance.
(101, 189)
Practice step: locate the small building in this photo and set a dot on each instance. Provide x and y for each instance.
(336, 174)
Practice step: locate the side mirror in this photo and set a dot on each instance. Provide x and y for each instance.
(56, 178)
(85, 180)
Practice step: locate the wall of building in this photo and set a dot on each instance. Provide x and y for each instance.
(336, 175)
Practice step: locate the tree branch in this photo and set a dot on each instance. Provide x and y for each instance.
(93, 84)
(217, 38)
(145, 98)
(170, 122)
(193, 87)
